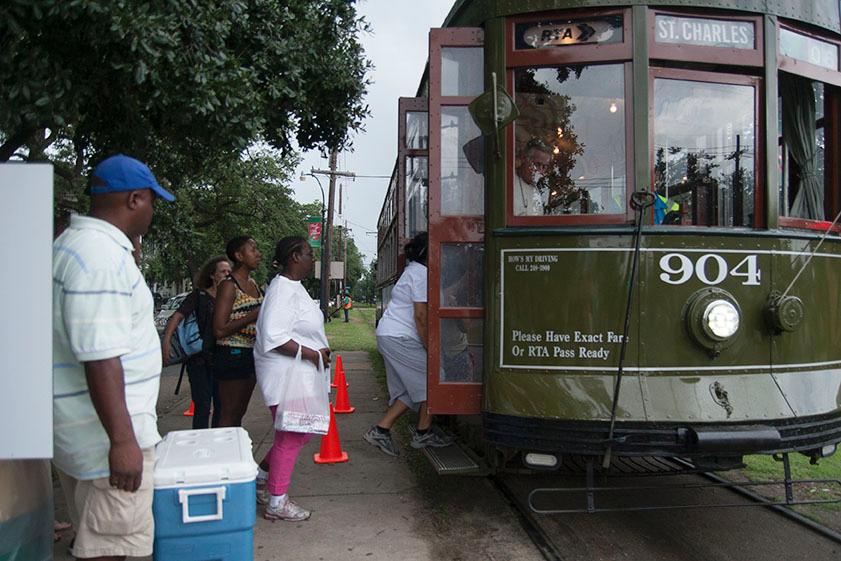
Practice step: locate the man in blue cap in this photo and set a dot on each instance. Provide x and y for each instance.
(107, 365)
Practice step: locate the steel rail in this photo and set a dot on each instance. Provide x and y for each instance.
(544, 544)
(533, 529)
(778, 508)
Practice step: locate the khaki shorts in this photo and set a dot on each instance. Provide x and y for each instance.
(108, 521)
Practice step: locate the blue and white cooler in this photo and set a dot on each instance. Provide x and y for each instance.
(204, 496)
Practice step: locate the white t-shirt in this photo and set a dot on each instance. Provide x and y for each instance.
(288, 313)
(399, 317)
(528, 201)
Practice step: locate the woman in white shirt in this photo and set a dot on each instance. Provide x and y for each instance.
(401, 339)
(290, 321)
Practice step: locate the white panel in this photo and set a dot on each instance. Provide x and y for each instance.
(26, 334)
(337, 269)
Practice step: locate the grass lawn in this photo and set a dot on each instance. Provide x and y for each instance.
(765, 468)
(358, 335)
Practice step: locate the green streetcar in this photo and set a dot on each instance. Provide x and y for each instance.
(711, 333)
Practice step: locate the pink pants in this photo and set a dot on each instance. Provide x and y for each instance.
(282, 456)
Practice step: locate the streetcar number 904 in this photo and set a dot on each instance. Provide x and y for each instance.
(710, 269)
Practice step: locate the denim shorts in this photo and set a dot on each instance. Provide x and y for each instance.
(233, 363)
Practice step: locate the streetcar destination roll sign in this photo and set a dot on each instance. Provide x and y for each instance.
(702, 32)
(562, 33)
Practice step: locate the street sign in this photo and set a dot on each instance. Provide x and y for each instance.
(337, 269)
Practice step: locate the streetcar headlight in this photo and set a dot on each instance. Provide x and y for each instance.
(712, 317)
(721, 319)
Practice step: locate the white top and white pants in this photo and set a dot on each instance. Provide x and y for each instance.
(398, 339)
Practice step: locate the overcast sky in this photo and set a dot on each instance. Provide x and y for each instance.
(398, 47)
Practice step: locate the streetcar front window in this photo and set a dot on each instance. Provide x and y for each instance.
(570, 140)
(704, 153)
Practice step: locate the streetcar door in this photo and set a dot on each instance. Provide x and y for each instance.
(456, 222)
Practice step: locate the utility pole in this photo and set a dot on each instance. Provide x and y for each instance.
(344, 253)
(327, 235)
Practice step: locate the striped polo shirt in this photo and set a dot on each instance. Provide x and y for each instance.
(102, 309)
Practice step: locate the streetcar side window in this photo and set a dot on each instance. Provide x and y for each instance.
(462, 71)
(461, 286)
(461, 350)
(704, 153)
(806, 192)
(417, 185)
(569, 140)
(417, 130)
(809, 111)
(462, 154)
(462, 276)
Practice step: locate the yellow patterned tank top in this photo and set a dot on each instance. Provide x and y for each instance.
(243, 304)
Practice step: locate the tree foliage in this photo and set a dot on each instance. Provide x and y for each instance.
(190, 87)
(246, 197)
(366, 286)
(175, 82)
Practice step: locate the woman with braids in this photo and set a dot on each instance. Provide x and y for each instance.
(290, 323)
(203, 387)
(238, 302)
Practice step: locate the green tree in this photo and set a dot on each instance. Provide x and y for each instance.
(191, 88)
(246, 197)
(366, 286)
(174, 83)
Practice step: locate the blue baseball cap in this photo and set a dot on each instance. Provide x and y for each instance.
(122, 173)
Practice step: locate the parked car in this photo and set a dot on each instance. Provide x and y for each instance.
(167, 310)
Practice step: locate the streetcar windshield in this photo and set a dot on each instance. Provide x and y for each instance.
(570, 140)
(704, 153)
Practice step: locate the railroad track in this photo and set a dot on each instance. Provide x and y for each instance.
(535, 525)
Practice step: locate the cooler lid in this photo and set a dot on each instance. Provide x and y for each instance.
(193, 457)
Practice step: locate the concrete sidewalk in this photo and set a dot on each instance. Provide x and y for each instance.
(372, 508)
(366, 508)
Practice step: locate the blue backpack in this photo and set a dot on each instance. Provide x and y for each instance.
(189, 336)
(187, 340)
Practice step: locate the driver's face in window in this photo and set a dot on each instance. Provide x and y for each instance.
(535, 165)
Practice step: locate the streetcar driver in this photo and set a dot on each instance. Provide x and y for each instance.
(533, 165)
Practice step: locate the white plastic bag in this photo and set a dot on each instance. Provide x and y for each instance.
(304, 404)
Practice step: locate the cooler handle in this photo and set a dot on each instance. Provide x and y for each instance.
(184, 498)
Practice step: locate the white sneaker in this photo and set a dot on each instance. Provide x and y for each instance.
(286, 510)
(262, 492)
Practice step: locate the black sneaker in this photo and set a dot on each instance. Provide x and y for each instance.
(383, 441)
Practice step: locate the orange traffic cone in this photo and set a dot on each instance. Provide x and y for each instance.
(191, 410)
(340, 371)
(342, 402)
(331, 448)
